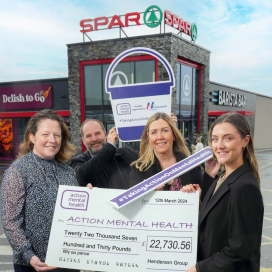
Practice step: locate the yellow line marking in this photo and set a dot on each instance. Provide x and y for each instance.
(262, 269)
(268, 213)
(266, 237)
(268, 218)
(265, 167)
(267, 227)
(264, 189)
(268, 204)
(267, 243)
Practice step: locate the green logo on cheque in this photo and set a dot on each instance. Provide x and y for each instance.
(152, 21)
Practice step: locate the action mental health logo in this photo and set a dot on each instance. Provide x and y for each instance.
(74, 200)
(150, 105)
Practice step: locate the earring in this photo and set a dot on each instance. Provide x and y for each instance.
(174, 139)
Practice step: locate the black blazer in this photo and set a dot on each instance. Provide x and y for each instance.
(230, 225)
(192, 176)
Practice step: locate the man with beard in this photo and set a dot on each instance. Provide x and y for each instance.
(102, 164)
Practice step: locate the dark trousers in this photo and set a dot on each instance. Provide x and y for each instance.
(23, 268)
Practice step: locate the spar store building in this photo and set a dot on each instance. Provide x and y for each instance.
(88, 62)
(196, 101)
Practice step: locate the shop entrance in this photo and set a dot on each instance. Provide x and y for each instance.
(187, 97)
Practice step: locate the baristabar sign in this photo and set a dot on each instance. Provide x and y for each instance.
(133, 19)
(223, 98)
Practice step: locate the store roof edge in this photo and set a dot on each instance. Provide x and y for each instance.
(142, 36)
(33, 80)
(223, 85)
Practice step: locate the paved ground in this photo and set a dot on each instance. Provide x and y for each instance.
(265, 167)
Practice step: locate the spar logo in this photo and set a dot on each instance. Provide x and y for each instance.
(150, 105)
(186, 85)
(152, 20)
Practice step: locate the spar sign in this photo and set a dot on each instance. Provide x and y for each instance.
(152, 17)
(133, 104)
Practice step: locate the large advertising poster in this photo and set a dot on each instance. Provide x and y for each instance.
(6, 139)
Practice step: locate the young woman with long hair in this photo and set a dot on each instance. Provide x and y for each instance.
(231, 214)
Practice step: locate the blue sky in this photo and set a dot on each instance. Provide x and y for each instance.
(34, 34)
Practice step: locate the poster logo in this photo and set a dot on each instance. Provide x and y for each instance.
(152, 20)
(150, 105)
(186, 85)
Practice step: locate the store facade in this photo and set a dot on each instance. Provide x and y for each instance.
(87, 67)
(19, 101)
(223, 99)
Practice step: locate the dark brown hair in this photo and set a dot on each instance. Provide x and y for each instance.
(242, 126)
(66, 149)
(91, 120)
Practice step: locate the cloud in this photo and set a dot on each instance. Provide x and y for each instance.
(34, 35)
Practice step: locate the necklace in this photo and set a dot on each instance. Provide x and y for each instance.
(57, 176)
(223, 176)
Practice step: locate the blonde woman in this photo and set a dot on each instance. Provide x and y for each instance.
(162, 146)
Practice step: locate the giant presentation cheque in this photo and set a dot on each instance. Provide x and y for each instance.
(157, 232)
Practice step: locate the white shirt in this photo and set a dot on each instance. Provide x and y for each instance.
(198, 147)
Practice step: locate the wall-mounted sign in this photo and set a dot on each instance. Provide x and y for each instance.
(26, 97)
(223, 98)
(152, 17)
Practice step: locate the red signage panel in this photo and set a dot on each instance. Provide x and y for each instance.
(26, 97)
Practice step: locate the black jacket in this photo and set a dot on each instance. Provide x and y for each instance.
(193, 176)
(230, 225)
(109, 168)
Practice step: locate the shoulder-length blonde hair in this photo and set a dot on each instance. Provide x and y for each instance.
(66, 149)
(242, 126)
(147, 157)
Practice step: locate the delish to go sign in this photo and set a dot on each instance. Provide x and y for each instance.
(26, 97)
(150, 19)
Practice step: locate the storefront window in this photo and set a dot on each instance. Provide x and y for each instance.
(187, 95)
(6, 139)
(144, 71)
(195, 101)
(97, 101)
(93, 85)
(123, 74)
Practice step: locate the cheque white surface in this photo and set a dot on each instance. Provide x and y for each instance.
(156, 232)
